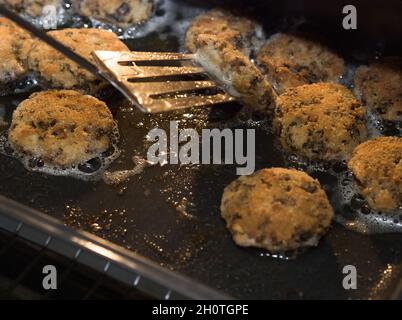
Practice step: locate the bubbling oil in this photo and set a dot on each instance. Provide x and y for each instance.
(91, 170)
(351, 209)
(167, 19)
(52, 16)
(355, 213)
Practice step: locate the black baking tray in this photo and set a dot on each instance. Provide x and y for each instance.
(170, 214)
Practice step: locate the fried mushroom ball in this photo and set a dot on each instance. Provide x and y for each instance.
(290, 60)
(119, 12)
(58, 71)
(62, 127)
(14, 47)
(321, 121)
(244, 34)
(377, 168)
(378, 85)
(33, 8)
(276, 209)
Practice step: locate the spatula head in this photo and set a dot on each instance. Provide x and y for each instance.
(160, 81)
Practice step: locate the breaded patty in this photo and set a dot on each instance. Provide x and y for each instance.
(235, 72)
(119, 12)
(291, 60)
(378, 85)
(33, 8)
(377, 169)
(15, 44)
(322, 121)
(62, 127)
(59, 72)
(243, 33)
(276, 209)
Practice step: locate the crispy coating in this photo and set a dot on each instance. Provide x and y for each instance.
(241, 32)
(34, 8)
(60, 72)
(322, 121)
(119, 12)
(276, 209)
(378, 85)
(62, 127)
(377, 168)
(291, 60)
(236, 73)
(14, 47)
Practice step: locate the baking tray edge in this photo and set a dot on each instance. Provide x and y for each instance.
(102, 255)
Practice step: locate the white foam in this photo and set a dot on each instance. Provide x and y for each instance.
(118, 177)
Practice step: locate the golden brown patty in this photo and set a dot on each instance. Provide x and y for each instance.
(60, 72)
(378, 85)
(236, 73)
(120, 12)
(377, 168)
(15, 44)
(61, 127)
(243, 33)
(31, 7)
(276, 209)
(290, 60)
(320, 121)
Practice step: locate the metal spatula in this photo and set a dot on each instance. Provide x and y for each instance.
(152, 81)
(160, 81)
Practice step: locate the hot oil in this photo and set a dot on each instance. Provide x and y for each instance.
(113, 222)
(181, 187)
(351, 210)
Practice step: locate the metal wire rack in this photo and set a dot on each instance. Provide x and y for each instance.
(21, 275)
(29, 240)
